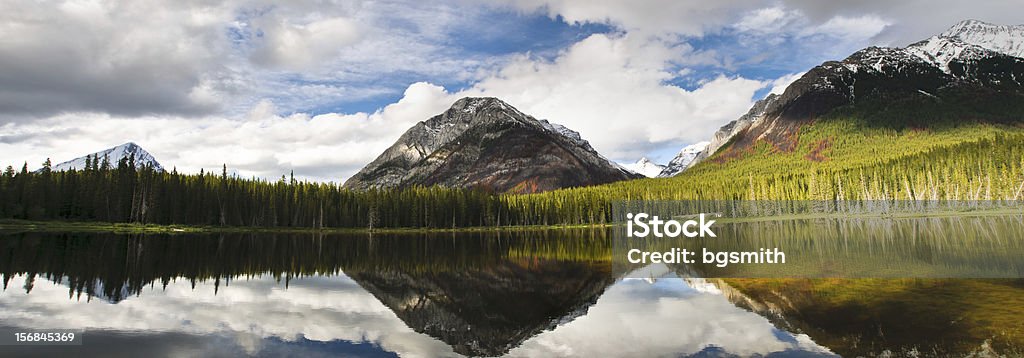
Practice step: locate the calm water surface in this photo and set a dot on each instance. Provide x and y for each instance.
(535, 293)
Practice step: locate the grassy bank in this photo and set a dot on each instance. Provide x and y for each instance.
(942, 213)
(9, 225)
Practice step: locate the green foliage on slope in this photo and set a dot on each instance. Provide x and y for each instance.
(844, 159)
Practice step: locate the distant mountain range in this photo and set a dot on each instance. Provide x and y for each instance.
(114, 155)
(486, 143)
(683, 159)
(644, 167)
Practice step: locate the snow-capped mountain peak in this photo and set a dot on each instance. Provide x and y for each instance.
(1005, 39)
(142, 158)
(970, 39)
(683, 159)
(645, 167)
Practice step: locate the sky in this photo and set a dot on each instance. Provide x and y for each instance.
(323, 87)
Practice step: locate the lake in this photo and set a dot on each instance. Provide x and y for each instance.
(518, 293)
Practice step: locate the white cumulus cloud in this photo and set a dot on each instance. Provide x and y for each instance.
(295, 46)
(327, 147)
(613, 90)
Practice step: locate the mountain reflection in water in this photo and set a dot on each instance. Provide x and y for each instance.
(532, 293)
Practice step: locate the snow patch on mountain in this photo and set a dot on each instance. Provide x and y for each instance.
(882, 60)
(576, 138)
(564, 131)
(970, 39)
(1004, 39)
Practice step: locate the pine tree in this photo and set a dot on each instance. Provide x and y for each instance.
(47, 167)
(105, 166)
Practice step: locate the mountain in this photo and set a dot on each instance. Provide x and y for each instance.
(922, 122)
(486, 143)
(971, 72)
(142, 158)
(645, 167)
(684, 159)
(730, 130)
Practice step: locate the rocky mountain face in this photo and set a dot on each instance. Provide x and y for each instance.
(971, 67)
(486, 143)
(683, 159)
(729, 131)
(115, 154)
(645, 167)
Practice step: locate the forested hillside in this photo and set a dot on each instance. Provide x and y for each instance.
(909, 151)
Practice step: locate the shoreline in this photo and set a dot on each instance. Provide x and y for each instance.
(17, 225)
(14, 225)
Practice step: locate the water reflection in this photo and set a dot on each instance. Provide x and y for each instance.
(878, 247)
(473, 294)
(330, 316)
(668, 316)
(534, 293)
(115, 266)
(487, 311)
(256, 316)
